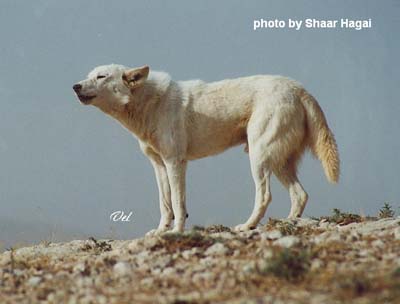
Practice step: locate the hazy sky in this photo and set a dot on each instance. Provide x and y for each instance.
(66, 167)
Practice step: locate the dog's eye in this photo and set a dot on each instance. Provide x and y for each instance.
(101, 76)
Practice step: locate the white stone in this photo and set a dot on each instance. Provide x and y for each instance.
(271, 235)
(203, 277)
(142, 256)
(33, 281)
(236, 253)
(378, 244)
(147, 281)
(249, 268)
(316, 263)
(216, 249)
(323, 223)
(187, 254)
(122, 268)
(80, 267)
(335, 237)
(396, 233)
(302, 222)
(169, 271)
(224, 235)
(287, 241)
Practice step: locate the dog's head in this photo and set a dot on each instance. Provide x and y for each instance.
(109, 87)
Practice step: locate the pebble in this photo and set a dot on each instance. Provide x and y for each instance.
(217, 249)
(378, 244)
(369, 246)
(287, 241)
(271, 235)
(122, 268)
(34, 281)
(396, 233)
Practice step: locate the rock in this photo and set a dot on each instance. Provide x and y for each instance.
(271, 235)
(169, 271)
(122, 268)
(136, 245)
(80, 267)
(143, 256)
(162, 261)
(187, 254)
(287, 241)
(217, 249)
(201, 277)
(33, 281)
(148, 282)
(335, 237)
(249, 268)
(248, 234)
(396, 233)
(315, 264)
(223, 235)
(353, 236)
(378, 244)
(302, 222)
(148, 270)
(323, 223)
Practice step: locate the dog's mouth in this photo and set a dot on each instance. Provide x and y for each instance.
(85, 99)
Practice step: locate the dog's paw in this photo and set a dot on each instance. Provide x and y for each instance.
(177, 230)
(155, 232)
(243, 227)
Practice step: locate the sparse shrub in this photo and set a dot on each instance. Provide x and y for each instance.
(183, 241)
(356, 285)
(217, 228)
(198, 228)
(288, 264)
(396, 273)
(342, 218)
(285, 227)
(97, 246)
(386, 211)
(212, 228)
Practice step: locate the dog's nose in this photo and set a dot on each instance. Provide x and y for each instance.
(77, 87)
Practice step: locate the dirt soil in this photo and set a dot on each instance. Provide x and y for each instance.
(327, 260)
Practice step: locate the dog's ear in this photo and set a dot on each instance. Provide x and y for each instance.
(135, 77)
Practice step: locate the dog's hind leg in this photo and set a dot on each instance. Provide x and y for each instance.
(288, 177)
(261, 172)
(261, 176)
(271, 141)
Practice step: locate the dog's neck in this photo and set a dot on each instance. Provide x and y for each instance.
(139, 115)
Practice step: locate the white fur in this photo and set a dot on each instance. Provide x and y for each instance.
(180, 121)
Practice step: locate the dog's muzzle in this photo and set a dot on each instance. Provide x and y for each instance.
(83, 98)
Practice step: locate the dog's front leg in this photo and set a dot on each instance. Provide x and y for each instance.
(176, 170)
(164, 198)
(163, 190)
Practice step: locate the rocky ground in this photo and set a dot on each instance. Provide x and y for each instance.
(338, 259)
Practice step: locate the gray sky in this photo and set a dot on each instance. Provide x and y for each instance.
(66, 167)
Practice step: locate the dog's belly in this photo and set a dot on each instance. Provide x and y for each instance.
(214, 139)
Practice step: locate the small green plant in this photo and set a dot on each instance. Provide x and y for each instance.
(386, 211)
(396, 273)
(288, 264)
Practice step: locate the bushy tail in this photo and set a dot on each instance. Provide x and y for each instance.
(320, 138)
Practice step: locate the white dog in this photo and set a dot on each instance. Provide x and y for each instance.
(275, 117)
